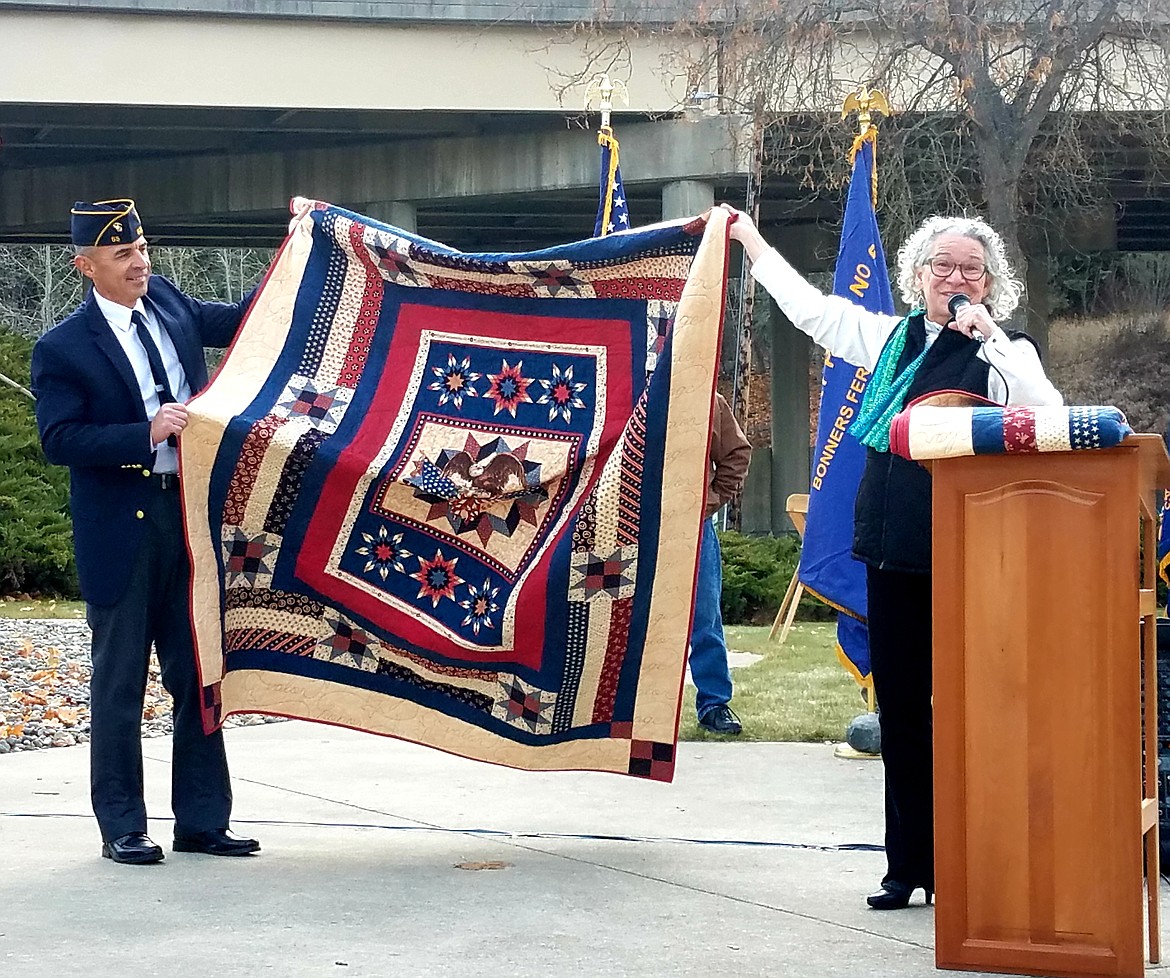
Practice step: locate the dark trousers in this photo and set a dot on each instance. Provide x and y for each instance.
(900, 660)
(154, 609)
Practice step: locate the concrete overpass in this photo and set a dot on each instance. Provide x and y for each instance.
(465, 120)
(491, 191)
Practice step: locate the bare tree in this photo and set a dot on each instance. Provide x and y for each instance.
(1020, 109)
(37, 287)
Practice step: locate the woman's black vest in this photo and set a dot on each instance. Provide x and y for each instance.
(891, 519)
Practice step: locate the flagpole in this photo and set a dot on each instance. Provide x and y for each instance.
(865, 102)
(603, 90)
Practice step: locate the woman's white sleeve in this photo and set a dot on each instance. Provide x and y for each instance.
(1017, 375)
(843, 328)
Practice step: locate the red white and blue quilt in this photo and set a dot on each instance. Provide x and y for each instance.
(456, 498)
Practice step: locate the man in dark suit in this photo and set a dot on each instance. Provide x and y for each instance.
(111, 380)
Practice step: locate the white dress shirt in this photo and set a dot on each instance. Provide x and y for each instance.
(854, 334)
(118, 317)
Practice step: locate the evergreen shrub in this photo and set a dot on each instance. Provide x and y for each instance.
(36, 538)
(756, 572)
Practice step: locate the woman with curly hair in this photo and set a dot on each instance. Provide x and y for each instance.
(931, 349)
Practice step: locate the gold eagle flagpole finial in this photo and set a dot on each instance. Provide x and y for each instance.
(604, 90)
(865, 102)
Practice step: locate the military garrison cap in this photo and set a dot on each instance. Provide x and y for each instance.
(104, 222)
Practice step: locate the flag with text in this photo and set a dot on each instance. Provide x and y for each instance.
(827, 567)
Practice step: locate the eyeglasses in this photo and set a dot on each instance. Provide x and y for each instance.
(942, 267)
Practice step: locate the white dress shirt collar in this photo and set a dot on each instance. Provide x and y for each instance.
(118, 315)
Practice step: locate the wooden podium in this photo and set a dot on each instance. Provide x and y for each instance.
(1043, 572)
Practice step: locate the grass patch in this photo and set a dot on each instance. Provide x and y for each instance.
(40, 608)
(798, 692)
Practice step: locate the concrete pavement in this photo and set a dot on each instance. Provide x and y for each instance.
(367, 869)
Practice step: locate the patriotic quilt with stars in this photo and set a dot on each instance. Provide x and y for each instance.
(456, 498)
(927, 431)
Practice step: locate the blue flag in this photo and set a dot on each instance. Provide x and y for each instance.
(827, 567)
(612, 212)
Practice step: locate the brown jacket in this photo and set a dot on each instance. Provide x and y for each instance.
(731, 453)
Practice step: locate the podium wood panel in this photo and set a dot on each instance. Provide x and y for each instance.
(1037, 713)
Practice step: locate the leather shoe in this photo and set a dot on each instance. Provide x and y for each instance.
(895, 896)
(215, 842)
(721, 720)
(133, 847)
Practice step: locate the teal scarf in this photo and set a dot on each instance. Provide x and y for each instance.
(885, 393)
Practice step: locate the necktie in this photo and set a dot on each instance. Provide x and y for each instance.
(161, 384)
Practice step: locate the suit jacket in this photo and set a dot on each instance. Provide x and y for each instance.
(91, 418)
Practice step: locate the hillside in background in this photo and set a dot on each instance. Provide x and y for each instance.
(1119, 360)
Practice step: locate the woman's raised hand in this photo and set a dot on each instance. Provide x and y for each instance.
(299, 206)
(744, 230)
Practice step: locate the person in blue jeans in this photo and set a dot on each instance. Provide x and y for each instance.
(731, 453)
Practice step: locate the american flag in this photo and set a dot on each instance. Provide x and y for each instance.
(612, 212)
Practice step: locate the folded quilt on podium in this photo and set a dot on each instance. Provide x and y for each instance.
(456, 498)
(926, 431)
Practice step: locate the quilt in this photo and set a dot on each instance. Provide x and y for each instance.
(457, 498)
(927, 431)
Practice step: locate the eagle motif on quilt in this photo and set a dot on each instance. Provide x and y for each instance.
(456, 498)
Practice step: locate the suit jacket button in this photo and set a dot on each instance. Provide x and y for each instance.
(139, 515)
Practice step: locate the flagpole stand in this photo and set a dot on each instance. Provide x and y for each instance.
(787, 611)
(797, 508)
(847, 753)
(863, 737)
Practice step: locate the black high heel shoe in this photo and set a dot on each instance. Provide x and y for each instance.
(895, 896)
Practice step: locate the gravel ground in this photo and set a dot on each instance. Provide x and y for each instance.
(44, 687)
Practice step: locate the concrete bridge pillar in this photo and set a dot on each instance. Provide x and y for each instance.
(686, 198)
(791, 355)
(809, 250)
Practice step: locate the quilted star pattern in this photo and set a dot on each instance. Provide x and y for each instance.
(322, 407)
(456, 498)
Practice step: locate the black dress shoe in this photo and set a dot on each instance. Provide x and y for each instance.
(215, 842)
(133, 847)
(895, 896)
(721, 720)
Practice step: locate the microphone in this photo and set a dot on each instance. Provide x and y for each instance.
(954, 304)
(957, 301)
